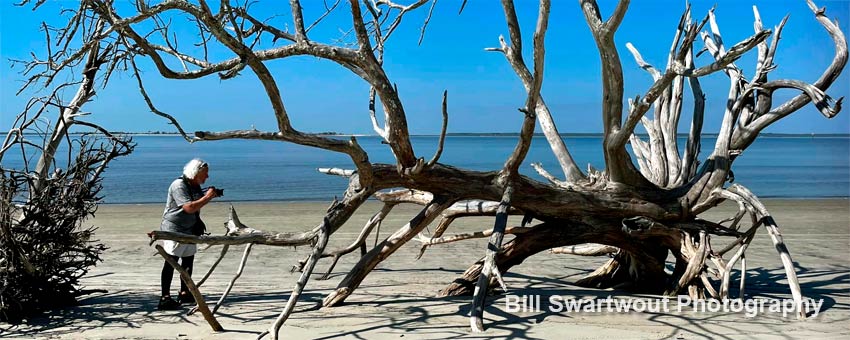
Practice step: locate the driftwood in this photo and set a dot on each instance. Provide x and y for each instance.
(45, 248)
(587, 249)
(199, 298)
(232, 281)
(646, 205)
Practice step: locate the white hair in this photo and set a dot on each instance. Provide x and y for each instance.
(191, 169)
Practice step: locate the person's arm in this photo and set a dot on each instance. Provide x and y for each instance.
(195, 206)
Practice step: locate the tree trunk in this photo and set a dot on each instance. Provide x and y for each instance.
(647, 209)
(565, 233)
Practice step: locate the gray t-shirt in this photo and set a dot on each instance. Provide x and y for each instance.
(174, 219)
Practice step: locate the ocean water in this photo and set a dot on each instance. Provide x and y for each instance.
(250, 170)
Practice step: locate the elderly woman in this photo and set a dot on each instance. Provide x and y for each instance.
(183, 215)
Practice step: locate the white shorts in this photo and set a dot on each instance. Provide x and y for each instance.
(179, 249)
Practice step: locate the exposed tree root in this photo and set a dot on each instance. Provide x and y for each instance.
(644, 203)
(544, 236)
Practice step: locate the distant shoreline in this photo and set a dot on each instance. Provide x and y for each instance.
(508, 134)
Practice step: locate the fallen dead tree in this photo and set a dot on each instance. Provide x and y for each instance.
(50, 180)
(647, 206)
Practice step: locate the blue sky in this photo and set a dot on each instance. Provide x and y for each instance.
(483, 91)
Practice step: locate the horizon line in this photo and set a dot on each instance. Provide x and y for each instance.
(484, 134)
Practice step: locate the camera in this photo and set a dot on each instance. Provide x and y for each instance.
(218, 192)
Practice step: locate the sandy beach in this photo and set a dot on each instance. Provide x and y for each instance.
(397, 299)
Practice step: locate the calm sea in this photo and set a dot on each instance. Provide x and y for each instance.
(251, 170)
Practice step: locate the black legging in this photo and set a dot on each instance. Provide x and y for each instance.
(168, 273)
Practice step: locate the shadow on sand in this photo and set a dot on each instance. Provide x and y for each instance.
(423, 316)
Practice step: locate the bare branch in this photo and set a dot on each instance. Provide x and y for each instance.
(187, 278)
(618, 165)
(360, 158)
(515, 51)
(369, 261)
(778, 243)
(360, 241)
(539, 55)
(827, 106)
(439, 151)
(553, 137)
(402, 11)
(643, 64)
(539, 168)
(427, 19)
(744, 137)
(613, 22)
(298, 17)
(153, 108)
(692, 149)
(261, 27)
(405, 196)
(328, 10)
(258, 237)
(324, 234)
(679, 69)
(466, 236)
(476, 316)
(734, 53)
(337, 172)
(375, 126)
(360, 27)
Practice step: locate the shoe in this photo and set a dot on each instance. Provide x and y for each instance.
(167, 303)
(186, 298)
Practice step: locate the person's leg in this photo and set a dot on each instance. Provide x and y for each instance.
(185, 295)
(166, 276)
(186, 263)
(165, 301)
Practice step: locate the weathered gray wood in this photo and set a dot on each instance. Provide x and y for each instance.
(744, 137)
(267, 238)
(445, 126)
(778, 243)
(465, 236)
(694, 144)
(476, 315)
(386, 248)
(359, 242)
(586, 249)
(70, 110)
(544, 116)
(663, 189)
(215, 264)
(199, 298)
(324, 234)
(235, 277)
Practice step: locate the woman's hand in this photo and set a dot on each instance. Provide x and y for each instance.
(195, 206)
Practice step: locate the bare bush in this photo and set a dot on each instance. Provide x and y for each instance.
(44, 203)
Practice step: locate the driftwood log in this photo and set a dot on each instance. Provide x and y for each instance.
(645, 203)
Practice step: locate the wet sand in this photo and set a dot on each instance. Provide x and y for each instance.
(397, 299)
